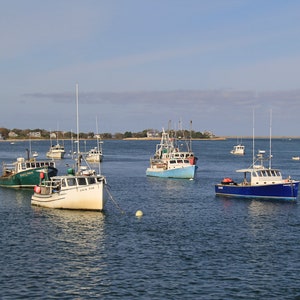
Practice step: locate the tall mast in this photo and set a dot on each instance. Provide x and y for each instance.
(253, 154)
(191, 122)
(78, 162)
(77, 121)
(270, 158)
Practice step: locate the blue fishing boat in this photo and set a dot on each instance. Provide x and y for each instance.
(259, 181)
(171, 160)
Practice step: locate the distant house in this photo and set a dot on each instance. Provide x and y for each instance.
(36, 134)
(208, 134)
(12, 134)
(153, 133)
(52, 135)
(1, 137)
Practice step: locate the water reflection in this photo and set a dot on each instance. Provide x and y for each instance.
(77, 228)
(271, 208)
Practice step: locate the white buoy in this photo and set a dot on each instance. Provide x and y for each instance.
(139, 213)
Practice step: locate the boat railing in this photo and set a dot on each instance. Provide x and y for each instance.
(9, 168)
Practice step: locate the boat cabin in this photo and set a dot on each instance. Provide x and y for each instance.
(22, 165)
(238, 149)
(261, 176)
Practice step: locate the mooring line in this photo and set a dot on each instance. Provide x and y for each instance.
(113, 200)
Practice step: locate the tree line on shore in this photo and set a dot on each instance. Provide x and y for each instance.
(44, 134)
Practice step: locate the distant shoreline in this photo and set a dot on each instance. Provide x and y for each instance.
(221, 138)
(159, 138)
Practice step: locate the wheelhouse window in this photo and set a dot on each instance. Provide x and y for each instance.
(81, 181)
(91, 180)
(71, 181)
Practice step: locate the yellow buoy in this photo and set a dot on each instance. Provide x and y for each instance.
(139, 213)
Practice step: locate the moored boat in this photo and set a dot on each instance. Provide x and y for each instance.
(171, 161)
(56, 151)
(238, 150)
(80, 189)
(26, 173)
(260, 182)
(95, 154)
(296, 158)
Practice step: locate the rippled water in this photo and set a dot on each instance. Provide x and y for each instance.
(188, 245)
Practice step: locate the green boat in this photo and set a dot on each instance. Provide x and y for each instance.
(26, 173)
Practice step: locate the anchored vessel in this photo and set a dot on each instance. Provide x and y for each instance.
(260, 181)
(81, 188)
(25, 173)
(171, 161)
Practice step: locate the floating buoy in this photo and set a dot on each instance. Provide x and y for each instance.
(139, 213)
(37, 189)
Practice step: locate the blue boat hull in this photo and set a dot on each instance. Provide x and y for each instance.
(281, 191)
(180, 173)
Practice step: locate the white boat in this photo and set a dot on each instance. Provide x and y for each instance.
(296, 158)
(80, 189)
(238, 150)
(171, 161)
(94, 155)
(35, 154)
(56, 151)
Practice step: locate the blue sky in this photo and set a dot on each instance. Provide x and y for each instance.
(141, 63)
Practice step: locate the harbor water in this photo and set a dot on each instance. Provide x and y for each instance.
(189, 244)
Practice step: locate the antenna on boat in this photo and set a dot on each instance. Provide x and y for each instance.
(169, 126)
(253, 148)
(98, 147)
(77, 128)
(270, 158)
(191, 125)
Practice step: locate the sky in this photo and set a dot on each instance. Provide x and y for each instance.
(140, 64)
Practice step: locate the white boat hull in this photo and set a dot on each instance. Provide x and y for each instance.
(56, 155)
(87, 197)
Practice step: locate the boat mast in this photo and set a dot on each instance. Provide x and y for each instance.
(98, 145)
(190, 146)
(77, 128)
(270, 159)
(253, 154)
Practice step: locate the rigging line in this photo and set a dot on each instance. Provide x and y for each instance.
(113, 200)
